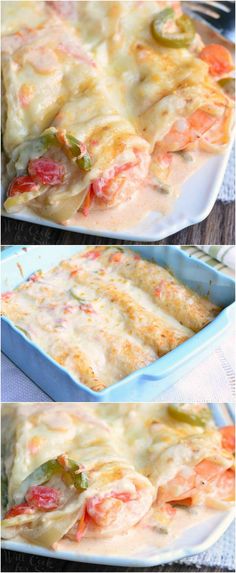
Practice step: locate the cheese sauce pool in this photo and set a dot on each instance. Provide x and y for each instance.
(141, 541)
(146, 200)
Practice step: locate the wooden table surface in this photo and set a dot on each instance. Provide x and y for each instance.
(13, 561)
(217, 229)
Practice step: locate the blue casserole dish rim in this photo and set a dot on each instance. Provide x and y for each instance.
(180, 355)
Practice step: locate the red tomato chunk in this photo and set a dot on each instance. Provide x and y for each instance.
(22, 184)
(46, 171)
(43, 498)
(20, 509)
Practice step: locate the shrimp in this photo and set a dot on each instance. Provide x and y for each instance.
(207, 477)
(228, 438)
(218, 58)
(187, 130)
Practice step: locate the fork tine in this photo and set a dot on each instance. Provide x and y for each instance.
(218, 5)
(219, 15)
(196, 7)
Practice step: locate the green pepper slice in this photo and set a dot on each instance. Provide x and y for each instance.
(228, 85)
(48, 139)
(73, 293)
(79, 480)
(177, 412)
(181, 39)
(43, 473)
(84, 162)
(75, 147)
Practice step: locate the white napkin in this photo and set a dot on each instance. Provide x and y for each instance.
(227, 191)
(226, 254)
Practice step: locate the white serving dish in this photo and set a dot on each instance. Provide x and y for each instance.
(194, 540)
(197, 199)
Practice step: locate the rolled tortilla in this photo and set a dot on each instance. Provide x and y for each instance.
(190, 309)
(60, 87)
(116, 496)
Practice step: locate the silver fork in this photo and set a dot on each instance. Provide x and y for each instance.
(219, 15)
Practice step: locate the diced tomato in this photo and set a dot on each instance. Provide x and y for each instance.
(116, 258)
(22, 184)
(43, 498)
(159, 289)
(46, 171)
(87, 308)
(74, 273)
(219, 59)
(20, 509)
(93, 254)
(7, 295)
(228, 438)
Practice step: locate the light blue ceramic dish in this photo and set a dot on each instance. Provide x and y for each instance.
(145, 384)
(194, 540)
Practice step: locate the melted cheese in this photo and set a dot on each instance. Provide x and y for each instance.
(94, 70)
(129, 451)
(105, 313)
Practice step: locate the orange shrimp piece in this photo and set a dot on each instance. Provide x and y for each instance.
(179, 488)
(228, 438)
(103, 511)
(186, 131)
(208, 470)
(218, 58)
(226, 485)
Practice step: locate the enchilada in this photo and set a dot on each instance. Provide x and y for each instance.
(81, 472)
(158, 97)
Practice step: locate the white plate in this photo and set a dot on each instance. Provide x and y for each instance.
(197, 198)
(193, 540)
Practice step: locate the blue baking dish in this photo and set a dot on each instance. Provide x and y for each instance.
(144, 384)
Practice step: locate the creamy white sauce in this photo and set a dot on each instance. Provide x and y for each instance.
(140, 541)
(136, 437)
(98, 22)
(65, 314)
(147, 199)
